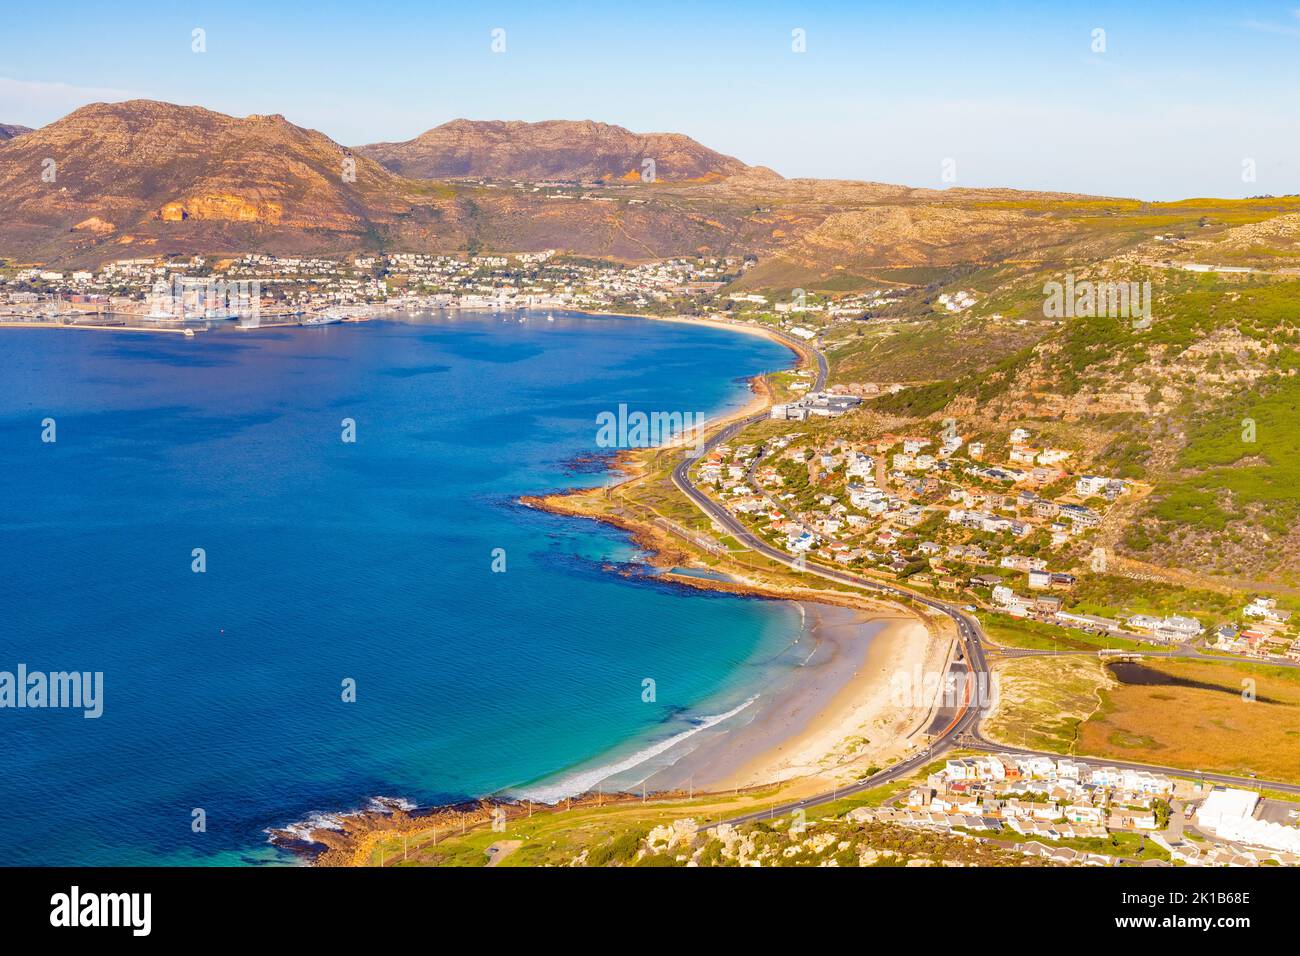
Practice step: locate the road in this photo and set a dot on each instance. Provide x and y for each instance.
(1185, 653)
(953, 724)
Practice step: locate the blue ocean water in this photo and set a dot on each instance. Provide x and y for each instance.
(326, 561)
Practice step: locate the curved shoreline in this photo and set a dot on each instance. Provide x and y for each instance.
(839, 734)
(823, 724)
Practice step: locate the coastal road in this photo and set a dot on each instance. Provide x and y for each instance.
(967, 672)
(954, 723)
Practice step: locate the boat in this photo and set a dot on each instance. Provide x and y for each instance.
(550, 316)
(328, 317)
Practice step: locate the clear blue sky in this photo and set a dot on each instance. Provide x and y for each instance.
(1013, 92)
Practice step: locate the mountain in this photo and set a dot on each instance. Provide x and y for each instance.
(556, 149)
(9, 132)
(110, 181)
(143, 172)
(113, 181)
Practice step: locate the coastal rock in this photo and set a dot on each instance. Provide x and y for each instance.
(668, 836)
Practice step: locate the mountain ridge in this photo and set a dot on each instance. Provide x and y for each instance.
(138, 177)
(551, 149)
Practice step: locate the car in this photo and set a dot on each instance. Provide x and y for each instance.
(970, 607)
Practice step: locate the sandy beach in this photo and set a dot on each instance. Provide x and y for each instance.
(845, 714)
(831, 713)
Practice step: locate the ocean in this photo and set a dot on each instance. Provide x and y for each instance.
(347, 636)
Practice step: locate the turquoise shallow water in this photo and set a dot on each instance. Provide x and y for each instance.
(327, 561)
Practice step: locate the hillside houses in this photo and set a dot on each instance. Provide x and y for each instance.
(958, 301)
(1266, 632)
(936, 516)
(1266, 609)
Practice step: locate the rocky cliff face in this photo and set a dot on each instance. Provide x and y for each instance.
(558, 149)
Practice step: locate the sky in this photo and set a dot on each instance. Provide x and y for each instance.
(1170, 100)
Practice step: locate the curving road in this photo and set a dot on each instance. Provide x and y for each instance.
(950, 720)
(952, 724)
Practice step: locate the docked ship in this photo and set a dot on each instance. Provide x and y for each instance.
(328, 317)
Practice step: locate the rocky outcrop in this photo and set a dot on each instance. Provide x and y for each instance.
(227, 207)
(95, 225)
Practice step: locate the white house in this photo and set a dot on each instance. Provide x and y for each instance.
(1052, 456)
(1088, 485)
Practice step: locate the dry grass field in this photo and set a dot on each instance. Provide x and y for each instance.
(1196, 715)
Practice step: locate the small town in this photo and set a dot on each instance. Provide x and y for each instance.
(1060, 811)
(1041, 798)
(148, 292)
(1002, 520)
